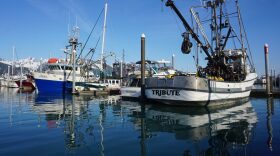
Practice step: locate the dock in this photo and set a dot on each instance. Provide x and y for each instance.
(262, 93)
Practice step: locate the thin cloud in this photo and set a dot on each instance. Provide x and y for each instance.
(63, 10)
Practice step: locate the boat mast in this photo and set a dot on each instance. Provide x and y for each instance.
(103, 43)
(214, 19)
(73, 43)
(122, 61)
(13, 60)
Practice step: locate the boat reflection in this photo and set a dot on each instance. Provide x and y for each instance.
(75, 116)
(85, 118)
(222, 128)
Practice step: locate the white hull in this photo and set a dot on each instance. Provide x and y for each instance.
(56, 77)
(8, 83)
(130, 92)
(238, 112)
(197, 91)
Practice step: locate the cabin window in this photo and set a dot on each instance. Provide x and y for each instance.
(135, 83)
(68, 68)
(56, 67)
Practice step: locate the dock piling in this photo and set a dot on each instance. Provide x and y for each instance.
(143, 62)
(268, 89)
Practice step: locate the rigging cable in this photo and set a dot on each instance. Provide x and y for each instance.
(90, 33)
(247, 42)
(95, 47)
(177, 23)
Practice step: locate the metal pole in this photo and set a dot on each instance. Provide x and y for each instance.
(268, 91)
(13, 60)
(143, 62)
(73, 42)
(278, 81)
(41, 65)
(121, 68)
(274, 78)
(74, 71)
(103, 42)
(173, 61)
(8, 80)
(20, 83)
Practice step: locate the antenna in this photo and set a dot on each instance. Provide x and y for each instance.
(123, 55)
(13, 59)
(69, 34)
(76, 24)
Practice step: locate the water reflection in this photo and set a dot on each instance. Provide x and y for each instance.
(223, 128)
(88, 125)
(270, 112)
(76, 117)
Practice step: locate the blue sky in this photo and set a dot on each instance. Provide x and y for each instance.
(39, 28)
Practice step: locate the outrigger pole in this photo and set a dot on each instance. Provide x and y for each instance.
(170, 3)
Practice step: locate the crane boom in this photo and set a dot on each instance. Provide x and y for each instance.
(170, 3)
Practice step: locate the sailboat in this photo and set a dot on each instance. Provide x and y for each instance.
(11, 78)
(229, 73)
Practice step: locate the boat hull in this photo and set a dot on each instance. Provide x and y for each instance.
(47, 82)
(9, 83)
(26, 85)
(52, 86)
(195, 91)
(130, 93)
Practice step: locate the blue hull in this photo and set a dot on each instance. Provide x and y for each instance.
(53, 86)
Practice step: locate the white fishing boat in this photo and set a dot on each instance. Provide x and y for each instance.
(159, 69)
(229, 73)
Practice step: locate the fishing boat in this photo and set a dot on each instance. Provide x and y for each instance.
(58, 76)
(159, 69)
(63, 75)
(229, 73)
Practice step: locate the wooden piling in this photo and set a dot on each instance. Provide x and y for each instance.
(268, 89)
(143, 62)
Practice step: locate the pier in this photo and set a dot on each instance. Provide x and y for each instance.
(262, 92)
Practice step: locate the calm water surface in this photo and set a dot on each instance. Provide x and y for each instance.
(34, 124)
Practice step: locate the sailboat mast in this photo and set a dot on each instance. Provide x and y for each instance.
(13, 60)
(103, 39)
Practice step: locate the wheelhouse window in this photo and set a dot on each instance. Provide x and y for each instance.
(54, 67)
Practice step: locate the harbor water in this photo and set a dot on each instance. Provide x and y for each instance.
(35, 124)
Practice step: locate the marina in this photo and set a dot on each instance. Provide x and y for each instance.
(165, 77)
(33, 123)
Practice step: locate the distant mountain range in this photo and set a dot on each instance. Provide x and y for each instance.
(28, 65)
(4, 69)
